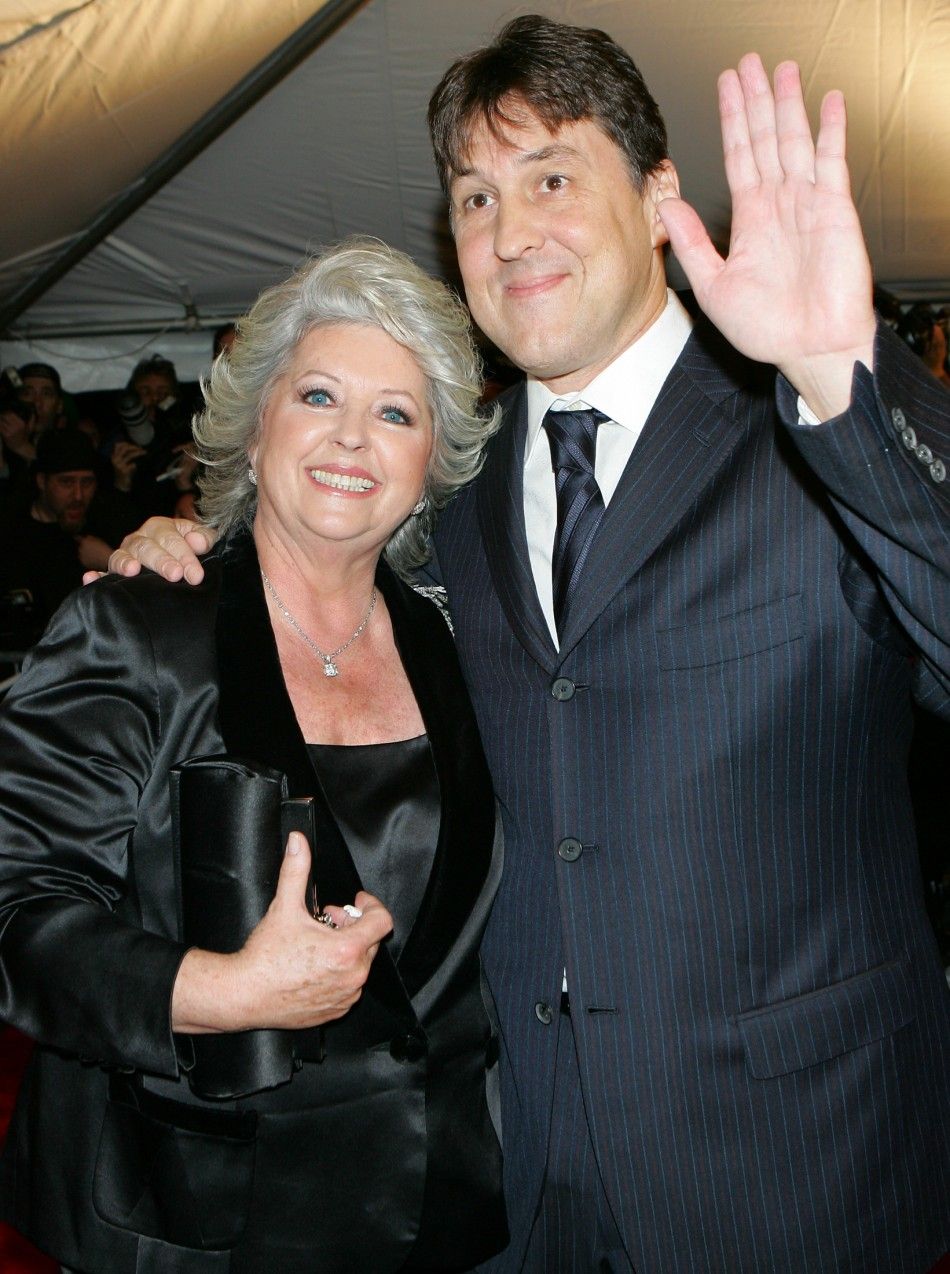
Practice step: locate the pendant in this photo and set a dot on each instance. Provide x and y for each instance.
(329, 667)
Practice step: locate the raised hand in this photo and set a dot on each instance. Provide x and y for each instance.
(795, 289)
(124, 457)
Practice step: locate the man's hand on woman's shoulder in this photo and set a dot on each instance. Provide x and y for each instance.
(169, 546)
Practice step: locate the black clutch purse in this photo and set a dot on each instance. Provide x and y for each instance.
(231, 819)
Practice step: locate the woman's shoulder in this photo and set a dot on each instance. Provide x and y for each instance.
(149, 593)
(128, 616)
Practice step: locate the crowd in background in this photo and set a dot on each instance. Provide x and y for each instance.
(77, 473)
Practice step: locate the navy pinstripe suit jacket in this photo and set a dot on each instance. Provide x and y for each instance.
(763, 1025)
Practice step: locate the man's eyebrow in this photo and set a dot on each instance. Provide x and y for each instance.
(546, 153)
(543, 155)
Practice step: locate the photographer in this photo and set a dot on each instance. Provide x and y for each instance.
(149, 455)
(63, 527)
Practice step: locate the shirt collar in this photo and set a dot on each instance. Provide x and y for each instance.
(627, 388)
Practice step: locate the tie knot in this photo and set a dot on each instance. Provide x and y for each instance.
(573, 438)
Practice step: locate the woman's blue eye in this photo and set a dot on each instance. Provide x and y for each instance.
(317, 397)
(396, 416)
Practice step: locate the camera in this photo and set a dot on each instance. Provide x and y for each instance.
(10, 386)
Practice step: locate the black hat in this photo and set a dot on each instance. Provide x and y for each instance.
(64, 451)
(46, 371)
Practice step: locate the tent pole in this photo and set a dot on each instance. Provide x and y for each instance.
(279, 63)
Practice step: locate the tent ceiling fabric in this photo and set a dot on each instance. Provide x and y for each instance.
(339, 146)
(93, 94)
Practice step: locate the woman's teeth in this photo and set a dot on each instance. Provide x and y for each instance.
(341, 481)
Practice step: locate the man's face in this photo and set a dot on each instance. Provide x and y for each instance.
(153, 388)
(560, 255)
(44, 398)
(65, 497)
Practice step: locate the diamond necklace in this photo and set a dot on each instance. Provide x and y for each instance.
(329, 667)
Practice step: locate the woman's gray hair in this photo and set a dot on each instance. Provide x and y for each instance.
(361, 281)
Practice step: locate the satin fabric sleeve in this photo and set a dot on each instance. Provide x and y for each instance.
(79, 733)
(888, 497)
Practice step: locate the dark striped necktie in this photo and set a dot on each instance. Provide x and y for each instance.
(580, 506)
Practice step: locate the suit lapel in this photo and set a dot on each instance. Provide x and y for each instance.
(500, 497)
(257, 721)
(688, 437)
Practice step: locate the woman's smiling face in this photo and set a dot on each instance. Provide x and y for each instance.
(344, 442)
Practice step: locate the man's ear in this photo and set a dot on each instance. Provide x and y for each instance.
(662, 183)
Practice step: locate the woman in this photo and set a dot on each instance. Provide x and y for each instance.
(342, 420)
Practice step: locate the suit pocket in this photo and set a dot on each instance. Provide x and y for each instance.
(824, 1024)
(731, 637)
(175, 1172)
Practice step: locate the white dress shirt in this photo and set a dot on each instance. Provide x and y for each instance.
(625, 392)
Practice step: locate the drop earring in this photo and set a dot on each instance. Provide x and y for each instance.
(252, 476)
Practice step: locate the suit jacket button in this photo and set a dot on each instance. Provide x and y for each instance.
(924, 454)
(899, 419)
(570, 849)
(544, 1013)
(909, 439)
(938, 470)
(562, 688)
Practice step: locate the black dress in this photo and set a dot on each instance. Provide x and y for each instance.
(385, 798)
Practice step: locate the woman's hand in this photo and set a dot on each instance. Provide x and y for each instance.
(292, 972)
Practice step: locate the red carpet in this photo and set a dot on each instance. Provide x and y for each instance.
(16, 1255)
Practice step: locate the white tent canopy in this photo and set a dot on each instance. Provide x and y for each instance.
(179, 155)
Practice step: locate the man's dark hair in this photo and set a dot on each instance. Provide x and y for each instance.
(154, 364)
(561, 74)
(65, 451)
(42, 371)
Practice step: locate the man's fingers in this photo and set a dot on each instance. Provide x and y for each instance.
(741, 170)
(795, 146)
(121, 562)
(692, 245)
(831, 166)
(167, 546)
(760, 113)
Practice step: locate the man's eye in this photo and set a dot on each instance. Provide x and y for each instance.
(317, 397)
(555, 181)
(479, 200)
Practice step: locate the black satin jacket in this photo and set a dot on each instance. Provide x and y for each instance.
(112, 1163)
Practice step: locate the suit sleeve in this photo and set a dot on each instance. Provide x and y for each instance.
(79, 735)
(886, 465)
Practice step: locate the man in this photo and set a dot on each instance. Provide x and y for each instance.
(40, 398)
(63, 530)
(42, 389)
(697, 718)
